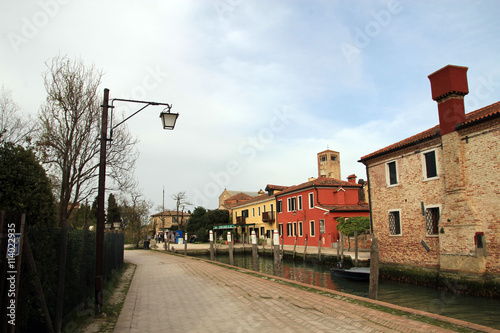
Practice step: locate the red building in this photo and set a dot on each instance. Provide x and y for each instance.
(310, 210)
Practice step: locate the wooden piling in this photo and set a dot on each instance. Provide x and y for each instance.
(255, 254)
(374, 258)
(356, 247)
(319, 248)
(294, 246)
(230, 243)
(342, 247)
(185, 243)
(305, 248)
(277, 256)
(211, 238)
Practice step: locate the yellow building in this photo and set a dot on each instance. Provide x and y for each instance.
(258, 214)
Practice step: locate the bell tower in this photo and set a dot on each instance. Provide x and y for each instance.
(329, 164)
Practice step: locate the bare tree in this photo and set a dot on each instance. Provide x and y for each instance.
(13, 128)
(135, 213)
(69, 132)
(69, 145)
(180, 205)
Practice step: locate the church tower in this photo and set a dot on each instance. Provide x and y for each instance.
(329, 164)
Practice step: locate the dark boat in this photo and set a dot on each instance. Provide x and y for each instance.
(354, 273)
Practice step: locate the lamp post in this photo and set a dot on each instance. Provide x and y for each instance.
(168, 120)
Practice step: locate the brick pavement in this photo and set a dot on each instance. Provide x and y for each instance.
(172, 293)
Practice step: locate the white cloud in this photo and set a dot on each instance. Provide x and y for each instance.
(229, 67)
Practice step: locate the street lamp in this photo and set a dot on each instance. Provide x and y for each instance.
(168, 120)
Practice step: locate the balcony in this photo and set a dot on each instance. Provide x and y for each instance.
(241, 220)
(268, 217)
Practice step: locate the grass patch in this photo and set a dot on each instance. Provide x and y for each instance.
(114, 293)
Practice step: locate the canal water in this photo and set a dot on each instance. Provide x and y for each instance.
(484, 311)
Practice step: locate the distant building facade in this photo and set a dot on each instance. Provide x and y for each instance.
(165, 220)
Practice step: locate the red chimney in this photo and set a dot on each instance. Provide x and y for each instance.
(448, 87)
(351, 178)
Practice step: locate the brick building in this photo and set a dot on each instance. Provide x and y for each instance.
(435, 195)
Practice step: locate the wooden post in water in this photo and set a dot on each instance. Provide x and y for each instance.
(185, 243)
(356, 247)
(282, 245)
(374, 258)
(215, 242)
(230, 243)
(294, 246)
(255, 254)
(277, 257)
(305, 248)
(338, 247)
(342, 248)
(319, 247)
(211, 238)
(168, 241)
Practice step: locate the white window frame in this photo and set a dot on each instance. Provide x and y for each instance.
(253, 212)
(424, 165)
(301, 229)
(312, 230)
(311, 200)
(388, 176)
(299, 202)
(400, 222)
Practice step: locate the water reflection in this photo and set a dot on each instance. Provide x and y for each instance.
(484, 311)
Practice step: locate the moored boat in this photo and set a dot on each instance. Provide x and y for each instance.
(354, 273)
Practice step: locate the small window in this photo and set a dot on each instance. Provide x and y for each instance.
(300, 229)
(258, 210)
(279, 206)
(253, 212)
(429, 165)
(312, 229)
(311, 200)
(299, 207)
(289, 229)
(432, 221)
(272, 207)
(294, 228)
(333, 157)
(392, 173)
(395, 223)
(244, 213)
(280, 229)
(292, 204)
(323, 158)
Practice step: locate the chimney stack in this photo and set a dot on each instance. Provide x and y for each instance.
(352, 178)
(448, 87)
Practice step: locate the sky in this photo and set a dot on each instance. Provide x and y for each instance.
(261, 86)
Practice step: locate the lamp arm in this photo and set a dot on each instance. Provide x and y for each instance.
(169, 106)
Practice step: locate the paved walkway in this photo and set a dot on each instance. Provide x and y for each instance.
(172, 293)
